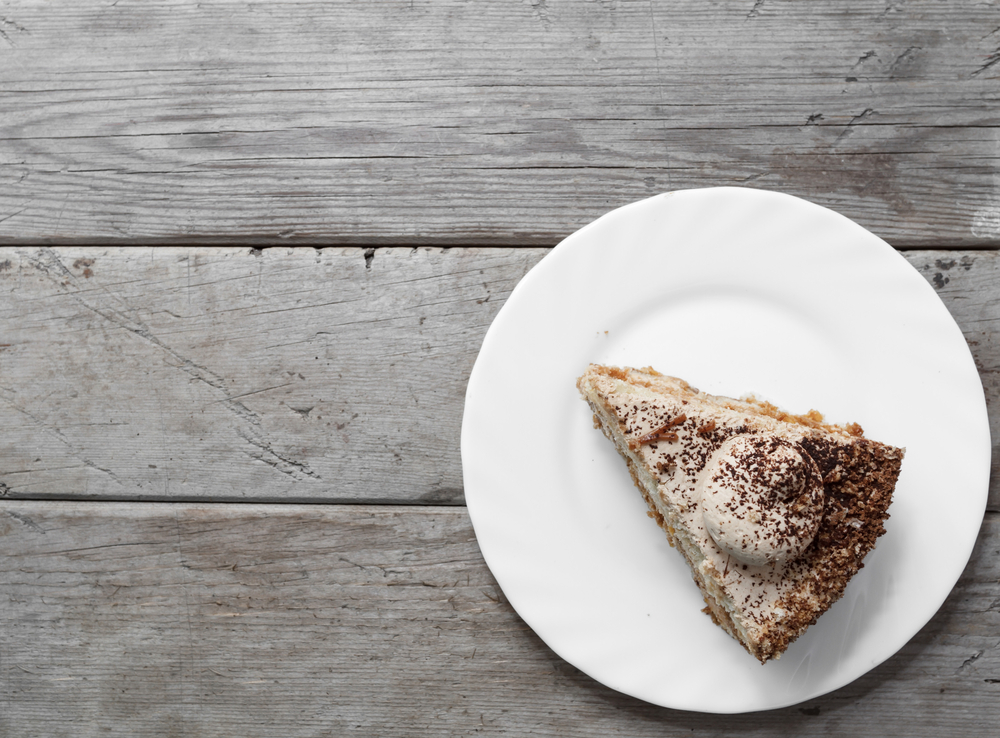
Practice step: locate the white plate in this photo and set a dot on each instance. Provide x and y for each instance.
(736, 291)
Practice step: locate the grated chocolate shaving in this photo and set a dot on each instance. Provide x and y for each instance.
(663, 433)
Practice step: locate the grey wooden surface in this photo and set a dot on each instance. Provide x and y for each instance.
(248, 253)
(145, 619)
(509, 122)
(229, 374)
(283, 374)
(193, 376)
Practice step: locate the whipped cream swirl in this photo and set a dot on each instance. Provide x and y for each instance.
(761, 498)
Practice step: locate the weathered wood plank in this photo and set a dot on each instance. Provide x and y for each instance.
(450, 122)
(229, 374)
(282, 374)
(178, 619)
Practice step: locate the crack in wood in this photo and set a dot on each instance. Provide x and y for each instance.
(540, 8)
(51, 430)
(81, 549)
(900, 58)
(17, 212)
(863, 115)
(870, 54)
(25, 520)
(991, 60)
(971, 660)
(90, 464)
(272, 458)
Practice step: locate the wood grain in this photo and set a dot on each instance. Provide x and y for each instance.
(234, 374)
(254, 620)
(144, 391)
(334, 375)
(510, 123)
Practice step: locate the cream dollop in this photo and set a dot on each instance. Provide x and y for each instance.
(761, 498)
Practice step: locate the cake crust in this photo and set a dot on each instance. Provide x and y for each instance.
(667, 432)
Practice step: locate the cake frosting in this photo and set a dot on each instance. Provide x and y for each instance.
(761, 498)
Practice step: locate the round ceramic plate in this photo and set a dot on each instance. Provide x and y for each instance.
(737, 291)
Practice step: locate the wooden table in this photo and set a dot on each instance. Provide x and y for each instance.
(248, 253)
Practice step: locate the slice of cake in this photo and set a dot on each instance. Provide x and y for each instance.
(773, 512)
